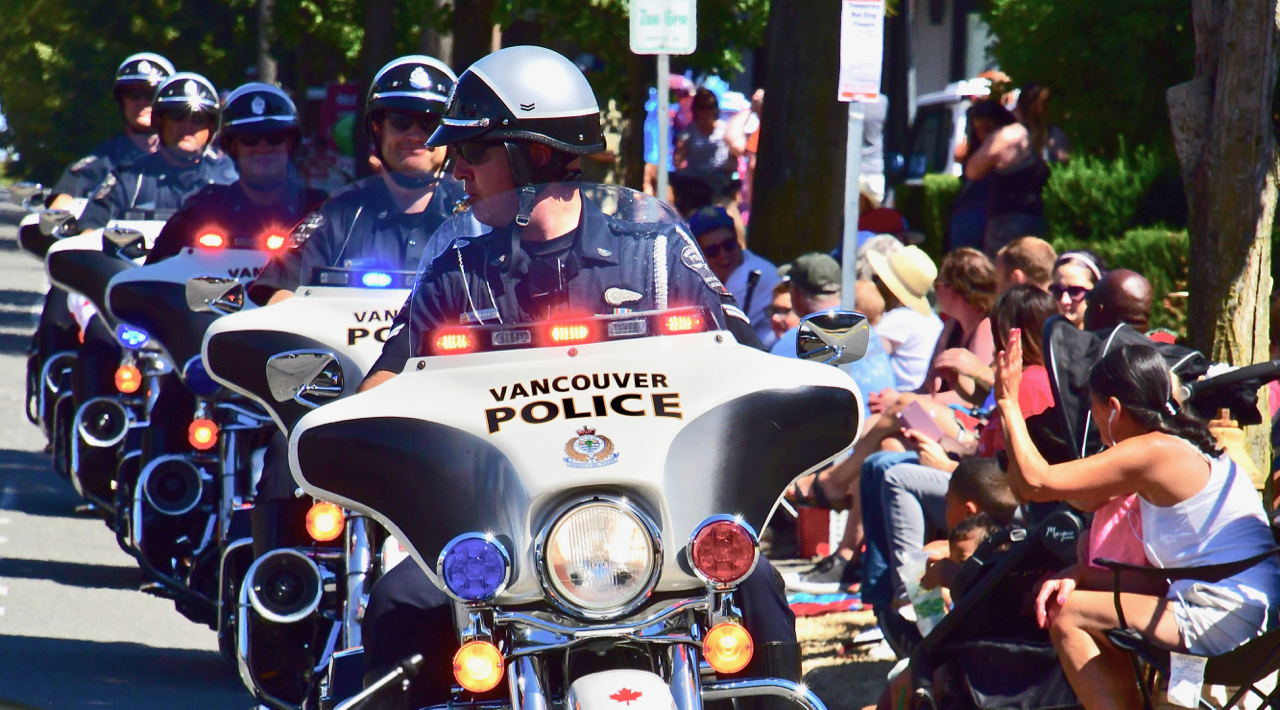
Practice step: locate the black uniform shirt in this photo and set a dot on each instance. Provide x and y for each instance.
(84, 176)
(612, 266)
(361, 227)
(153, 184)
(227, 209)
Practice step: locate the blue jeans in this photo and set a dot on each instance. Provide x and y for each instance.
(877, 584)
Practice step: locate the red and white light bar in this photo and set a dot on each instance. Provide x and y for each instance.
(484, 338)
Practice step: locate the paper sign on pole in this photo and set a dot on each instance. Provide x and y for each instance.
(664, 26)
(861, 49)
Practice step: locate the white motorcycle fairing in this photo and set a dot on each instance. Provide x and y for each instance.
(81, 265)
(349, 323)
(691, 426)
(153, 297)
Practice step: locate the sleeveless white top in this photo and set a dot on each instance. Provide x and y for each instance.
(1224, 522)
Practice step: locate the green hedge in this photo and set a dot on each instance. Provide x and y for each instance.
(1096, 199)
(1158, 254)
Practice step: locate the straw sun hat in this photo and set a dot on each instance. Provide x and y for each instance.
(909, 274)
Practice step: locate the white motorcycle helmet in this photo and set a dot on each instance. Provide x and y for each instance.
(520, 95)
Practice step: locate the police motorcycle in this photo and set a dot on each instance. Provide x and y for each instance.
(85, 436)
(299, 608)
(178, 511)
(586, 490)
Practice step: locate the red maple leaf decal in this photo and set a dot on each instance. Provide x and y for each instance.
(625, 696)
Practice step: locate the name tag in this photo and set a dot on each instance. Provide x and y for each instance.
(478, 316)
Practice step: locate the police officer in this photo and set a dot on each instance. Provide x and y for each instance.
(185, 111)
(383, 222)
(136, 80)
(259, 132)
(521, 118)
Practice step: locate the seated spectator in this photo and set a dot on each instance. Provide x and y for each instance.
(721, 243)
(1075, 273)
(1028, 260)
(868, 301)
(885, 244)
(1121, 296)
(1197, 509)
(909, 328)
(781, 316)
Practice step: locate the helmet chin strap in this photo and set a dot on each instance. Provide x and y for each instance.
(413, 180)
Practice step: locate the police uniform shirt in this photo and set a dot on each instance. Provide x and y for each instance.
(610, 267)
(154, 184)
(84, 176)
(358, 227)
(227, 210)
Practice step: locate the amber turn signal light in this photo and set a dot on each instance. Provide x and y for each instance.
(128, 378)
(477, 666)
(728, 647)
(203, 434)
(212, 240)
(324, 521)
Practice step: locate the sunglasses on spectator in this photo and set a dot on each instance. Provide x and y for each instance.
(403, 122)
(728, 246)
(1077, 293)
(772, 311)
(476, 152)
(272, 139)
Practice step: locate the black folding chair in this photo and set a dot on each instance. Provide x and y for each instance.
(1243, 667)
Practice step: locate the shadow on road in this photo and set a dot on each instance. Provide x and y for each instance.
(14, 344)
(29, 485)
(78, 674)
(73, 574)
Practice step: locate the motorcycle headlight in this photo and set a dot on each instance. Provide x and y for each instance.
(601, 558)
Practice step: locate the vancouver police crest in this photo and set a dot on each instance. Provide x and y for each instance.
(589, 450)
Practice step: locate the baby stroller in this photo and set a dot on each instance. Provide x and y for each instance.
(988, 653)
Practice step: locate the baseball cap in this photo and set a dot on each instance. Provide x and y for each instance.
(816, 273)
(709, 218)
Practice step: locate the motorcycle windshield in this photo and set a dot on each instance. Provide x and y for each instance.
(553, 253)
(512, 417)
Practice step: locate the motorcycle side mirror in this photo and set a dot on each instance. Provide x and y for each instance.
(57, 223)
(308, 377)
(129, 243)
(213, 294)
(22, 193)
(833, 337)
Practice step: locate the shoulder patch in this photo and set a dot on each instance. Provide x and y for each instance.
(692, 258)
(303, 231)
(105, 188)
(83, 163)
(735, 312)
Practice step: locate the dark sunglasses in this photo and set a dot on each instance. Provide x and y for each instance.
(403, 122)
(476, 153)
(272, 139)
(728, 246)
(195, 118)
(772, 311)
(138, 94)
(1077, 293)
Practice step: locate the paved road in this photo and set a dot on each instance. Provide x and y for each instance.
(75, 631)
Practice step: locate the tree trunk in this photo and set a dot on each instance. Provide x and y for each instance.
(472, 32)
(798, 200)
(1227, 149)
(641, 73)
(432, 42)
(378, 49)
(267, 67)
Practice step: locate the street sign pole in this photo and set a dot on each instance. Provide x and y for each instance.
(664, 122)
(852, 193)
(664, 28)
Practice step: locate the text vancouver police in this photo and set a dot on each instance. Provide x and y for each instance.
(627, 404)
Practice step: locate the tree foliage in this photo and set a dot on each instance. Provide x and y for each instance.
(1108, 64)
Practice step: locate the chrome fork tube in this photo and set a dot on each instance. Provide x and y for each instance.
(686, 684)
(359, 561)
(228, 496)
(526, 685)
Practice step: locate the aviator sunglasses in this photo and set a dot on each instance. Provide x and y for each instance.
(1077, 293)
(403, 122)
(272, 139)
(475, 152)
(728, 246)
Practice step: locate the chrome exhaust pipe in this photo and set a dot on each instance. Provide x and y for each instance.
(284, 586)
(172, 484)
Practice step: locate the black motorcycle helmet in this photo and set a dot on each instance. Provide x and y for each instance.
(520, 95)
(142, 70)
(259, 108)
(414, 83)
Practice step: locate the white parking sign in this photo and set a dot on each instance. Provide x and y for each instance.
(664, 26)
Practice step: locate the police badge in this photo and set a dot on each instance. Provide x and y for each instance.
(419, 79)
(258, 105)
(589, 450)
